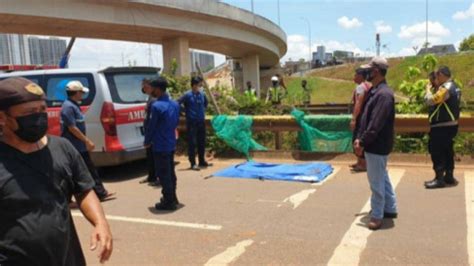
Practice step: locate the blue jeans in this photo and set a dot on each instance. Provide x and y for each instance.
(383, 197)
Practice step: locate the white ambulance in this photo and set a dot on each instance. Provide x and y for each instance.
(114, 108)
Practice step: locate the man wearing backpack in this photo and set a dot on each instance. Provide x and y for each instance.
(444, 112)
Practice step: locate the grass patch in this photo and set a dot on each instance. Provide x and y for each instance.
(322, 91)
(461, 65)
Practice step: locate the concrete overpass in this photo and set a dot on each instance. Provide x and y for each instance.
(177, 25)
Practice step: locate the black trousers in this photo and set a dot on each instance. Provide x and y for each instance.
(196, 137)
(440, 146)
(164, 167)
(150, 165)
(99, 187)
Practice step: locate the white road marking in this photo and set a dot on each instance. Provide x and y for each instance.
(299, 197)
(230, 254)
(354, 241)
(469, 180)
(157, 222)
(333, 174)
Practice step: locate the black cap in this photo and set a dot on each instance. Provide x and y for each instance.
(14, 91)
(159, 83)
(445, 71)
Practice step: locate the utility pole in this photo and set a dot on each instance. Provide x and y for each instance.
(426, 37)
(309, 40)
(251, 2)
(377, 44)
(150, 60)
(278, 7)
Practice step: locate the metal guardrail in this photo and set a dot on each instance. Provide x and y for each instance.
(286, 123)
(403, 123)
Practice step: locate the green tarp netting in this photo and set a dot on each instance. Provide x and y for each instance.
(236, 131)
(324, 133)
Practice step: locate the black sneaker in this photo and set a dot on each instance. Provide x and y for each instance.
(195, 168)
(161, 206)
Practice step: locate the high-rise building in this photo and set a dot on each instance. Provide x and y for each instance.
(14, 50)
(205, 61)
(320, 54)
(46, 51)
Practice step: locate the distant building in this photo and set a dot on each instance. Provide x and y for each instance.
(320, 55)
(343, 55)
(14, 50)
(328, 57)
(438, 50)
(205, 61)
(46, 51)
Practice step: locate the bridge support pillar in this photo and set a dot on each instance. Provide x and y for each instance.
(178, 49)
(251, 72)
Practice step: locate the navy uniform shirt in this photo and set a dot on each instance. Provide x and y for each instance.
(36, 227)
(71, 115)
(164, 119)
(195, 105)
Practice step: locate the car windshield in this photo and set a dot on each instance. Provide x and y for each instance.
(127, 87)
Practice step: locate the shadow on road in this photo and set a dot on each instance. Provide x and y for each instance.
(137, 169)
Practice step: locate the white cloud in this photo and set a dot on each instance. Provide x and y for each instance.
(463, 15)
(298, 47)
(416, 32)
(347, 23)
(406, 52)
(381, 27)
(91, 53)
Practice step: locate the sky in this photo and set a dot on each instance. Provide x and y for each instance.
(337, 24)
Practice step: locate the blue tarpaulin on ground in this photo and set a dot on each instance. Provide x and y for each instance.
(305, 172)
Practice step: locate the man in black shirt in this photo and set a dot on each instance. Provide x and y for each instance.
(38, 176)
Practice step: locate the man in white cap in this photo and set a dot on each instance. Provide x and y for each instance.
(73, 128)
(375, 141)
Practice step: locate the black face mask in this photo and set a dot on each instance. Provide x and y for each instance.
(369, 75)
(32, 128)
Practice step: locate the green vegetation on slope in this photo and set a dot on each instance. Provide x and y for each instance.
(322, 90)
(462, 67)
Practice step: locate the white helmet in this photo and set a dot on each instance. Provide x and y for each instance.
(274, 78)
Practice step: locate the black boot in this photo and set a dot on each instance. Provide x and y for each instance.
(438, 182)
(449, 178)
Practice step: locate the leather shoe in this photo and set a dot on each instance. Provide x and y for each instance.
(374, 224)
(437, 183)
(388, 215)
(161, 206)
(450, 181)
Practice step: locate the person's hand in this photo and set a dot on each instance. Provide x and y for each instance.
(102, 237)
(428, 87)
(90, 146)
(352, 125)
(359, 150)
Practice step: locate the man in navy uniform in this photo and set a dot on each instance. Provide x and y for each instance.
(161, 137)
(195, 104)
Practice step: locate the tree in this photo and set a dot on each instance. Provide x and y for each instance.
(467, 44)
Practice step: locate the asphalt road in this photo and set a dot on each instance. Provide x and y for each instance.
(250, 222)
